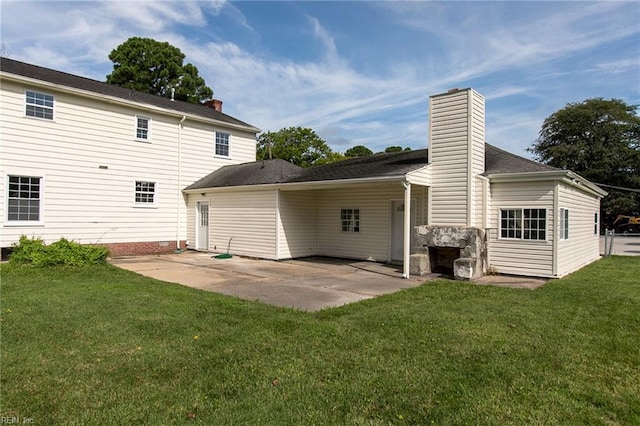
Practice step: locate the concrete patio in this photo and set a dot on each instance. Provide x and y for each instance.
(308, 284)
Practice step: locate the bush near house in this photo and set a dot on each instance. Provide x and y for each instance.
(33, 251)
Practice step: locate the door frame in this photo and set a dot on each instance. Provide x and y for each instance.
(197, 224)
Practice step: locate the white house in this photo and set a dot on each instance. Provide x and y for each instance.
(101, 164)
(477, 206)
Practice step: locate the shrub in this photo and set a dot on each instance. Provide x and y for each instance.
(33, 251)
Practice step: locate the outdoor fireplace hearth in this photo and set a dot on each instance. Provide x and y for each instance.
(456, 250)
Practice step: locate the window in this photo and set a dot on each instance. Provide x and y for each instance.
(350, 219)
(564, 224)
(142, 128)
(145, 192)
(24, 199)
(523, 224)
(596, 227)
(222, 144)
(39, 105)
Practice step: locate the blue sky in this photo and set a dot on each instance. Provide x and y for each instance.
(358, 72)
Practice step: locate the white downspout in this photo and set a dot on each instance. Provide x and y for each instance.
(179, 192)
(407, 230)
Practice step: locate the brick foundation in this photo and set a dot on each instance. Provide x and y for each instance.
(146, 247)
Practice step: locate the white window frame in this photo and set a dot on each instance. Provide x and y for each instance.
(215, 144)
(40, 200)
(596, 224)
(138, 128)
(40, 103)
(143, 192)
(522, 225)
(563, 220)
(350, 220)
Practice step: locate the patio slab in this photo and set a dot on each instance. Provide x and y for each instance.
(309, 284)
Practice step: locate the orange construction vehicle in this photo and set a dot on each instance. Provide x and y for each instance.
(627, 224)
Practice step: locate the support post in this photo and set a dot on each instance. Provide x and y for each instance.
(407, 230)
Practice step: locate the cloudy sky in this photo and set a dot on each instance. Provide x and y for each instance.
(358, 72)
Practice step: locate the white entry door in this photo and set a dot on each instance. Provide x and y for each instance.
(397, 227)
(202, 226)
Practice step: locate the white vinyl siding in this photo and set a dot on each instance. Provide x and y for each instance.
(583, 245)
(456, 156)
(246, 217)
(374, 203)
(88, 158)
(298, 231)
(520, 256)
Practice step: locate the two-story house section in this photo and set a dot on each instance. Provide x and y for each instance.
(102, 164)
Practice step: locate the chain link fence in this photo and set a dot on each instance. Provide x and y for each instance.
(620, 244)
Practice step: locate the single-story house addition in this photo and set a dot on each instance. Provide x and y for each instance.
(462, 206)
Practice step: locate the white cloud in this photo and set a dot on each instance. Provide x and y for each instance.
(456, 45)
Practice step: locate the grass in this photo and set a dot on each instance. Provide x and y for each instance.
(101, 345)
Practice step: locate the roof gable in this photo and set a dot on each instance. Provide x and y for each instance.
(35, 72)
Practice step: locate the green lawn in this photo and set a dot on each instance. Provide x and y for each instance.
(102, 345)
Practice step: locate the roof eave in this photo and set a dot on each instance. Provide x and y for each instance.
(121, 101)
(566, 176)
(299, 185)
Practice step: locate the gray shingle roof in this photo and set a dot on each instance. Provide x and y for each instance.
(497, 161)
(256, 173)
(57, 77)
(373, 166)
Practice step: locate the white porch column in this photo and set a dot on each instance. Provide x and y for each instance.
(407, 229)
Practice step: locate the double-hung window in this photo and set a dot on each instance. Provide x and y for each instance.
(145, 193)
(143, 128)
(596, 224)
(564, 224)
(24, 202)
(350, 220)
(523, 224)
(222, 144)
(38, 105)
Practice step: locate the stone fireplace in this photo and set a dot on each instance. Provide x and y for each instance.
(456, 250)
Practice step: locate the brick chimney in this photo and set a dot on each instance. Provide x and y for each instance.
(214, 103)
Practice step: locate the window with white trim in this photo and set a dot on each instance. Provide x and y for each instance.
(222, 144)
(24, 202)
(145, 192)
(350, 220)
(523, 224)
(38, 105)
(142, 128)
(596, 224)
(564, 224)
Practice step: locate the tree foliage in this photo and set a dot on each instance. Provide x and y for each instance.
(299, 145)
(155, 67)
(358, 151)
(600, 140)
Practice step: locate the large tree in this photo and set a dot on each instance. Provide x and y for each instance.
(299, 145)
(600, 140)
(156, 67)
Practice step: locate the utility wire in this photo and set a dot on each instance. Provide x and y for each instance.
(619, 187)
